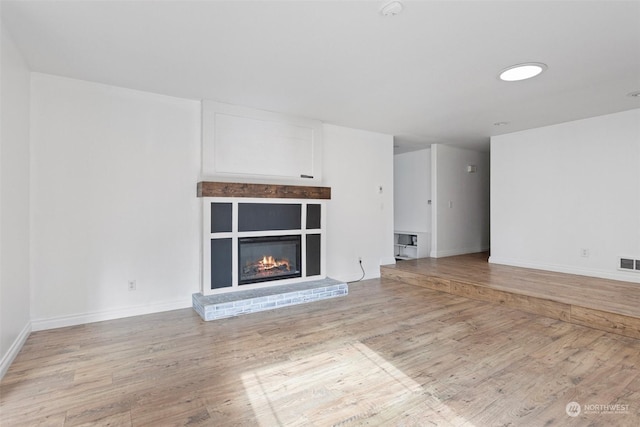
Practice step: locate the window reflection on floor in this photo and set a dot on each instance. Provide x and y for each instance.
(349, 384)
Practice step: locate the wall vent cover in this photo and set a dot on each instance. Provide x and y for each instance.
(629, 264)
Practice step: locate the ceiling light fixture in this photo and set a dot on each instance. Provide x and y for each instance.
(635, 94)
(391, 8)
(501, 123)
(524, 71)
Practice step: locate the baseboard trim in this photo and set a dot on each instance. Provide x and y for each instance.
(351, 278)
(454, 252)
(15, 348)
(81, 319)
(387, 260)
(625, 277)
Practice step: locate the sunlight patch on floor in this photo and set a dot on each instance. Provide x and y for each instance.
(339, 387)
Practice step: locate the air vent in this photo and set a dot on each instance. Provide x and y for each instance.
(629, 264)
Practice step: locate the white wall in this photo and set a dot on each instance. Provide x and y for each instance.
(114, 175)
(359, 217)
(14, 203)
(113, 199)
(460, 222)
(412, 191)
(560, 189)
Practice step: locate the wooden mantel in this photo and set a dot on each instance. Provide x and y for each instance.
(270, 191)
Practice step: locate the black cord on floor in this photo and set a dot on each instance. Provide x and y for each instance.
(363, 273)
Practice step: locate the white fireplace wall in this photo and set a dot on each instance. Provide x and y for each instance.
(114, 175)
(358, 167)
(113, 198)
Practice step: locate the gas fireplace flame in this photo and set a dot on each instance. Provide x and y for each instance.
(269, 263)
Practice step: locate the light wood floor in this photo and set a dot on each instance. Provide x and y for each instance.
(387, 354)
(609, 305)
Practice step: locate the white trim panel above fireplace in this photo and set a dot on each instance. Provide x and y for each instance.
(256, 144)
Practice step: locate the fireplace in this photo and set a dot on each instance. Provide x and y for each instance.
(262, 259)
(257, 236)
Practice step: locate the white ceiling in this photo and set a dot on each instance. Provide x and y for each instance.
(428, 75)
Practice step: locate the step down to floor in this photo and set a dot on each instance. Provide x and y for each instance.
(488, 284)
(231, 304)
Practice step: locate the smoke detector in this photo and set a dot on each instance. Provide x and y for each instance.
(391, 8)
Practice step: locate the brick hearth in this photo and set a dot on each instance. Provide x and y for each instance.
(212, 307)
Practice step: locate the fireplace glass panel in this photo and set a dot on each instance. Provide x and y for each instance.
(220, 263)
(313, 254)
(263, 259)
(313, 216)
(220, 217)
(269, 216)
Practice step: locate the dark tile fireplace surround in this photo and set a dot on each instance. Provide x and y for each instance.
(268, 255)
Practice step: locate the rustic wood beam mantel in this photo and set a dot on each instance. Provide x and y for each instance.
(270, 191)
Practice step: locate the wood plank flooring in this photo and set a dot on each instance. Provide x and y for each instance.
(609, 305)
(387, 354)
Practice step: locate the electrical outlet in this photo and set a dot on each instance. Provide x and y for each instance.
(132, 285)
(359, 259)
(584, 252)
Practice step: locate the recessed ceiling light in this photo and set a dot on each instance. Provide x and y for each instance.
(635, 94)
(501, 123)
(521, 71)
(391, 8)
